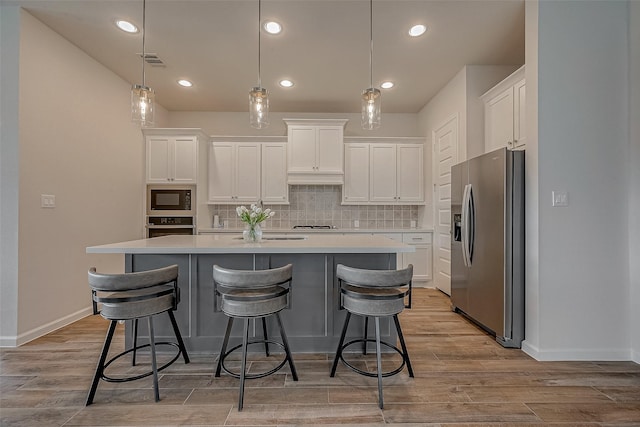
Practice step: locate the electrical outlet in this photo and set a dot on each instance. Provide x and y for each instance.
(356, 223)
(560, 198)
(47, 201)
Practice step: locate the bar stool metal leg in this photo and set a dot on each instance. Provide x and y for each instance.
(135, 342)
(294, 373)
(100, 367)
(339, 350)
(379, 362)
(245, 341)
(176, 331)
(366, 333)
(264, 334)
(405, 353)
(154, 363)
(225, 342)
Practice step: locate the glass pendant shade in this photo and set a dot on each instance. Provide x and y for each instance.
(371, 108)
(259, 107)
(142, 105)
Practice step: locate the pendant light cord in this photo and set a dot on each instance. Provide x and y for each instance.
(144, 59)
(371, 43)
(259, 39)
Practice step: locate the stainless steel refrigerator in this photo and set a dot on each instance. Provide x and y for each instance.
(487, 243)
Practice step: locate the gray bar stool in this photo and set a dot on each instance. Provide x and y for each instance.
(131, 296)
(375, 293)
(252, 294)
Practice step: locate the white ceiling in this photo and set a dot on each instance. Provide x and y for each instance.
(324, 47)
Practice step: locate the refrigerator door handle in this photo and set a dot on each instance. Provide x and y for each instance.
(465, 226)
(472, 226)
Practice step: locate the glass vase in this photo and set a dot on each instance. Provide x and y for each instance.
(252, 233)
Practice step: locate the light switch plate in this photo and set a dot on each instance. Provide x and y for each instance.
(47, 201)
(560, 198)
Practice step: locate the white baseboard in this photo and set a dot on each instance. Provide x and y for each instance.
(31, 335)
(635, 356)
(556, 355)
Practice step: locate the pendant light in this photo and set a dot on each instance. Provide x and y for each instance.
(142, 96)
(259, 96)
(371, 102)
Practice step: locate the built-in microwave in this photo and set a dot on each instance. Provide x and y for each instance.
(170, 200)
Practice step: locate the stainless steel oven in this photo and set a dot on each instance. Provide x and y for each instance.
(158, 226)
(170, 200)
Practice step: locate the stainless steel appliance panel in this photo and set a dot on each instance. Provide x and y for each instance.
(487, 242)
(487, 263)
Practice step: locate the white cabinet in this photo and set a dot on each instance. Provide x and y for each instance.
(315, 153)
(356, 173)
(396, 174)
(274, 187)
(421, 258)
(234, 172)
(505, 112)
(383, 173)
(172, 159)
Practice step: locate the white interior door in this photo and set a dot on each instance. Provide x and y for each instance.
(445, 147)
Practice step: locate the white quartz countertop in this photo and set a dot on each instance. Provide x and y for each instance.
(322, 230)
(273, 243)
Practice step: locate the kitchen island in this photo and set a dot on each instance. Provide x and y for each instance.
(313, 322)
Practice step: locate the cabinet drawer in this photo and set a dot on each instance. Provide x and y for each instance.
(416, 238)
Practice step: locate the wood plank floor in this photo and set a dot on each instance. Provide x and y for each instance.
(462, 378)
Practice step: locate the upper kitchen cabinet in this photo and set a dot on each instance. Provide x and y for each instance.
(504, 113)
(383, 172)
(315, 153)
(172, 155)
(234, 172)
(274, 188)
(396, 174)
(356, 173)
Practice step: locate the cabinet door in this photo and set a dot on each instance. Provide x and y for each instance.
(421, 258)
(158, 160)
(356, 177)
(410, 180)
(221, 172)
(520, 114)
(302, 149)
(498, 114)
(382, 176)
(274, 188)
(329, 150)
(247, 172)
(185, 160)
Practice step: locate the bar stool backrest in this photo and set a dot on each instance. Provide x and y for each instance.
(251, 279)
(131, 281)
(375, 278)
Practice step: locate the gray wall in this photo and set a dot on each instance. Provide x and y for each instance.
(634, 178)
(582, 310)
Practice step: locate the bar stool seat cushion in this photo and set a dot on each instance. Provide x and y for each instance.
(136, 303)
(254, 302)
(373, 301)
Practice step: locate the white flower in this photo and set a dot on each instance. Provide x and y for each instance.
(239, 210)
(271, 214)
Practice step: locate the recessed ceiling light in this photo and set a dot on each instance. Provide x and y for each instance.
(387, 85)
(286, 83)
(417, 30)
(185, 83)
(126, 26)
(272, 27)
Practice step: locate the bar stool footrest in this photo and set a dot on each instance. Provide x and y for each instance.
(144, 375)
(258, 375)
(372, 374)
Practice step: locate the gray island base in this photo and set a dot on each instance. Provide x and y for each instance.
(313, 322)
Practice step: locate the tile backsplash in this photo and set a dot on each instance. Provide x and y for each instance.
(320, 205)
